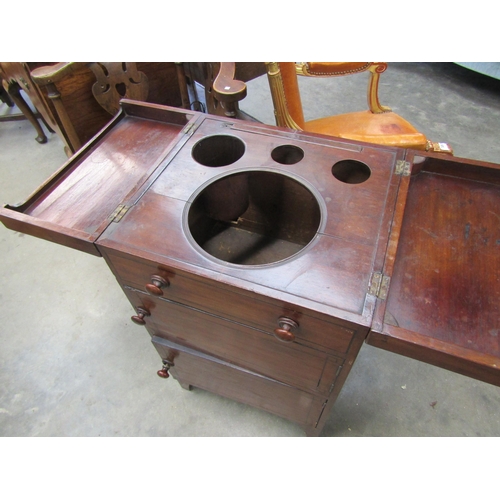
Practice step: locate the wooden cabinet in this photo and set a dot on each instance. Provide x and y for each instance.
(259, 260)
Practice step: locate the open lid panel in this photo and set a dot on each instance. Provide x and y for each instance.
(443, 262)
(77, 203)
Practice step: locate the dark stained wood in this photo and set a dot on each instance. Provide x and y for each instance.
(5, 98)
(67, 90)
(13, 90)
(315, 330)
(15, 77)
(232, 312)
(445, 286)
(222, 377)
(114, 81)
(62, 204)
(244, 71)
(224, 84)
(186, 181)
(335, 271)
(227, 90)
(247, 347)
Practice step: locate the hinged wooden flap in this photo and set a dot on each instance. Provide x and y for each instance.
(443, 301)
(78, 202)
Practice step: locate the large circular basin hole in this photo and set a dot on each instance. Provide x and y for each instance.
(218, 150)
(254, 218)
(287, 154)
(351, 171)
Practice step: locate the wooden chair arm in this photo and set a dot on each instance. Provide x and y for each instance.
(225, 88)
(52, 74)
(47, 77)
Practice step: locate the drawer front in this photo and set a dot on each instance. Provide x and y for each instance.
(252, 309)
(209, 373)
(244, 346)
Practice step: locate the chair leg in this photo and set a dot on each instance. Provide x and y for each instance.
(5, 97)
(15, 94)
(44, 121)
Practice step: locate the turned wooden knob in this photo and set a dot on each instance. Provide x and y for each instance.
(156, 285)
(138, 319)
(163, 373)
(283, 332)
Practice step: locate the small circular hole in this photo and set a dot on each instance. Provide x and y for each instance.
(351, 171)
(287, 154)
(218, 150)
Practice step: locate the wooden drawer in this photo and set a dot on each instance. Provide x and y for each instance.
(192, 367)
(225, 301)
(247, 347)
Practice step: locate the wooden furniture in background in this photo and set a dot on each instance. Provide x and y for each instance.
(259, 259)
(15, 78)
(223, 85)
(82, 97)
(4, 96)
(378, 125)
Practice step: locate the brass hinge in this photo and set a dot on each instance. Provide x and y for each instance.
(188, 128)
(402, 168)
(320, 413)
(336, 375)
(379, 285)
(117, 215)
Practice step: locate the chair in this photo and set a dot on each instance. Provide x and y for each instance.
(83, 96)
(15, 81)
(224, 85)
(378, 125)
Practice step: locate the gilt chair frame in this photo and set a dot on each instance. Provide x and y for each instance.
(324, 70)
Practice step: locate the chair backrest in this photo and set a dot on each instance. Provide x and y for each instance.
(378, 124)
(116, 80)
(285, 89)
(83, 96)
